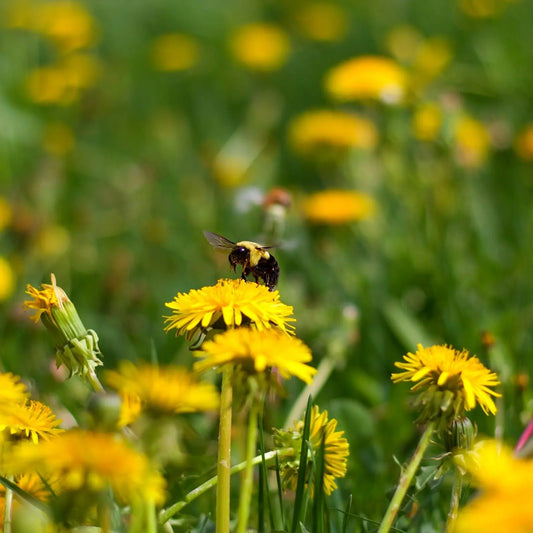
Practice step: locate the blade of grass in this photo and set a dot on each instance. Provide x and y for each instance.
(264, 472)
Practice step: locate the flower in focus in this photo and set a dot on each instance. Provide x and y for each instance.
(167, 390)
(7, 279)
(30, 420)
(367, 77)
(84, 460)
(76, 347)
(427, 121)
(174, 52)
(255, 351)
(229, 303)
(322, 432)
(322, 21)
(504, 501)
(472, 142)
(450, 381)
(11, 389)
(338, 207)
(260, 46)
(338, 130)
(524, 143)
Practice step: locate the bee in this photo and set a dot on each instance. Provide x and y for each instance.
(254, 258)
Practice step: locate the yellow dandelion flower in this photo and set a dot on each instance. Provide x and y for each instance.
(321, 430)
(31, 484)
(403, 41)
(254, 351)
(84, 460)
(452, 381)
(367, 77)
(506, 492)
(234, 303)
(7, 279)
(11, 389)
(338, 207)
(44, 299)
(524, 143)
(260, 46)
(322, 21)
(317, 129)
(427, 121)
(472, 142)
(163, 389)
(31, 420)
(174, 52)
(65, 22)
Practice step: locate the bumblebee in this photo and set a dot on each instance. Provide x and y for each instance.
(254, 258)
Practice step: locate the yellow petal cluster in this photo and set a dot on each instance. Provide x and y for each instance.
(336, 206)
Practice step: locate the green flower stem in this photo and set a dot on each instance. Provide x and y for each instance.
(324, 370)
(151, 518)
(247, 485)
(94, 381)
(224, 453)
(455, 499)
(8, 507)
(405, 480)
(167, 514)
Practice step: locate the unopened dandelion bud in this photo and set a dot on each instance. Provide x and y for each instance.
(76, 347)
(459, 435)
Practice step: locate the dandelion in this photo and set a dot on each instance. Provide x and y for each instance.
(76, 347)
(31, 420)
(322, 21)
(472, 142)
(7, 279)
(31, 484)
(229, 303)
(89, 461)
(260, 46)
(506, 492)
(165, 390)
(450, 381)
(322, 436)
(173, 52)
(256, 351)
(337, 207)
(427, 121)
(367, 77)
(12, 391)
(338, 130)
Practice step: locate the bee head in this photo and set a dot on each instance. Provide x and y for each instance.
(239, 255)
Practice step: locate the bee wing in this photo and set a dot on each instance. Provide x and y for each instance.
(218, 241)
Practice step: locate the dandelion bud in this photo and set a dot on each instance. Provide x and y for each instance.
(76, 347)
(459, 435)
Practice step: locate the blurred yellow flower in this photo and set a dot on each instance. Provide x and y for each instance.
(31, 484)
(62, 83)
(322, 21)
(427, 121)
(367, 77)
(451, 381)
(85, 460)
(164, 390)
(403, 41)
(317, 129)
(6, 213)
(11, 389)
(321, 430)
(431, 58)
(7, 279)
(67, 23)
(230, 303)
(52, 240)
(58, 138)
(30, 420)
(472, 142)
(260, 46)
(174, 52)
(256, 351)
(337, 206)
(523, 143)
(504, 503)
(483, 8)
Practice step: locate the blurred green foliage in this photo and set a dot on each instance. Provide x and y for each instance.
(111, 185)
